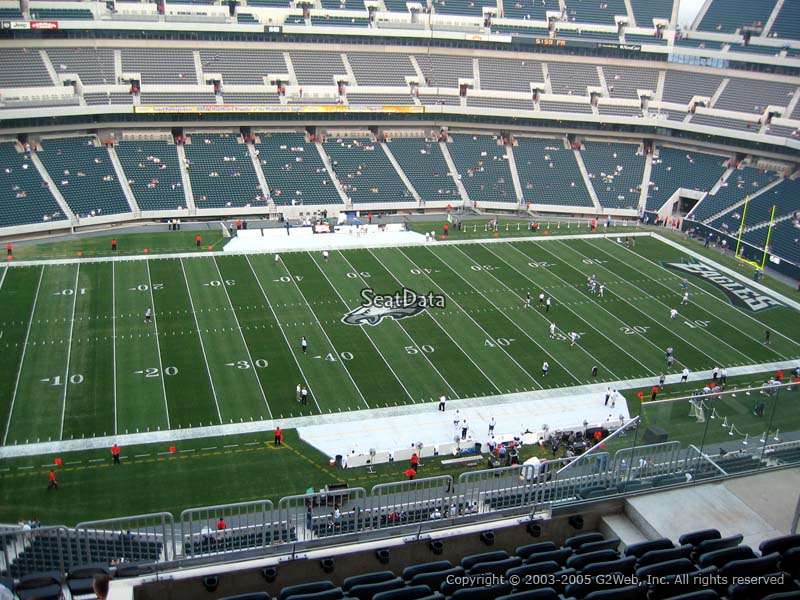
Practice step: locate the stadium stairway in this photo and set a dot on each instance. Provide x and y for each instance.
(452, 166)
(400, 173)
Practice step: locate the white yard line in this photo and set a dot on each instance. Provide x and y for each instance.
(283, 333)
(363, 330)
(202, 345)
(666, 306)
(733, 275)
(488, 335)
(600, 306)
(501, 311)
(114, 338)
(158, 344)
(569, 309)
(444, 330)
(3, 278)
(69, 352)
(325, 333)
(241, 333)
(403, 329)
(22, 358)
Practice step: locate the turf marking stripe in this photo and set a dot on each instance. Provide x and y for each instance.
(202, 345)
(403, 329)
(114, 340)
(569, 309)
(363, 330)
(69, 352)
(244, 341)
(158, 344)
(439, 325)
(22, 358)
(488, 335)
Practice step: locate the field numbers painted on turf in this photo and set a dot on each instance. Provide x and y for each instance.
(156, 372)
(697, 324)
(483, 267)
(364, 274)
(331, 357)
(536, 264)
(70, 292)
(494, 343)
(426, 348)
(423, 271)
(594, 261)
(634, 329)
(75, 378)
(287, 279)
(143, 287)
(218, 283)
(259, 363)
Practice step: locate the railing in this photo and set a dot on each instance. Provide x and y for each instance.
(734, 433)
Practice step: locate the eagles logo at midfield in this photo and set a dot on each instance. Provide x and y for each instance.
(400, 305)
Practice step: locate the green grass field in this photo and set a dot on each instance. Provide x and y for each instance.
(224, 347)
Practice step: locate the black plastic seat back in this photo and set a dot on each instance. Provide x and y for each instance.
(366, 591)
(578, 561)
(439, 565)
(720, 558)
(576, 541)
(657, 556)
(641, 548)
(498, 567)
(376, 577)
(699, 595)
(414, 592)
(790, 562)
(626, 565)
(334, 594)
(482, 593)
(632, 592)
(695, 537)
(540, 594)
(752, 567)
(712, 545)
(542, 568)
(756, 591)
(305, 588)
(780, 544)
(560, 556)
(433, 579)
(250, 596)
(469, 561)
(671, 567)
(609, 544)
(525, 551)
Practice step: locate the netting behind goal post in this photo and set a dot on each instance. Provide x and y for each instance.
(225, 232)
(697, 411)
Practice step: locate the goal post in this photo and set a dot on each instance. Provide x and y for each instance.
(696, 410)
(737, 253)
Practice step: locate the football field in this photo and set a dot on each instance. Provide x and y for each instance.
(224, 343)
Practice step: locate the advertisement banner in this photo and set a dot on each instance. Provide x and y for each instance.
(276, 108)
(44, 24)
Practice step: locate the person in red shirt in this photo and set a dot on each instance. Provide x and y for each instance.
(278, 436)
(198, 239)
(779, 375)
(8, 249)
(53, 482)
(446, 229)
(221, 524)
(115, 450)
(655, 392)
(114, 245)
(414, 462)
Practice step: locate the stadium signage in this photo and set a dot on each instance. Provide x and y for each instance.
(44, 24)
(738, 293)
(400, 305)
(626, 47)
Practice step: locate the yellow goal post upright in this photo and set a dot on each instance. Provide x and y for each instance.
(737, 253)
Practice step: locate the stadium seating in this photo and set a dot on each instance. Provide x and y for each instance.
(504, 103)
(246, 98)
(644, 11)
(570, 107)
(10, 13)
(23, 196)
(338, 21)
(365, 172)
(623, 82)
(680, 87)
(620, 111)
(191, 98)
(243, 67)
(742, 94)
(61, 14)
(729, 15)
(725, 123)
(511, 75)
(787, 25)
(444, 71)
(548, 173)
(616, 172)
(175, 67)
(572, 78)
(101, 98)
(530, 9)
(676, 168)
(84, 175)
(687, 42)
(424, 165)
(343, 4)
(470, 8)
(222, 172)
(34, 74)
(379, 99)
(381, 69)
(484, 169)
(153, 174)
(246, 19)
(95, 66)
(294, 170)
(741, 182)
(317, 68)
(589, 11)
(635, 38)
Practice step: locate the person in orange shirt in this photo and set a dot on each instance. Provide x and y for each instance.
(114, 245)
(278, 436)
(115, 450)
(198, 239)
(221, 525)
(53, 482)
(414, 462)
(8, 249)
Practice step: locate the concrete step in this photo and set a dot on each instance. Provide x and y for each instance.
(622, 527)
